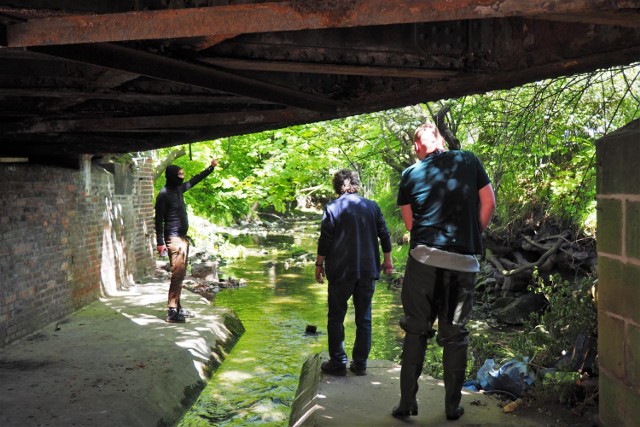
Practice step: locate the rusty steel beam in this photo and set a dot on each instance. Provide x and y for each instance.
(623, 18)
(482, 83)
(163, 68)
(164, 123)
(104, 94)
(316, 68)
(287, 16)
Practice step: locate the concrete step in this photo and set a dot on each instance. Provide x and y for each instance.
(324, 400)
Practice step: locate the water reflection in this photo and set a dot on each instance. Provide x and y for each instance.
(257, 382)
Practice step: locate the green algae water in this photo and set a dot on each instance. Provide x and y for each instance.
(257, 382)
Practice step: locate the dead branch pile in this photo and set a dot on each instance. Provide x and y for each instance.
(515, 268)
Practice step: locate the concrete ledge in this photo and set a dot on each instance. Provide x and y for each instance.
(324, 400)
(305, 405)
(115, 363)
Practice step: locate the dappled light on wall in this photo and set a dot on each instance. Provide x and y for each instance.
(114, 272)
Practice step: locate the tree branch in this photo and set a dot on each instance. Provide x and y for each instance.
(159, 170)
(538, 263)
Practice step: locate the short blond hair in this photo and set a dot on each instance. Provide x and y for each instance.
(425, 127)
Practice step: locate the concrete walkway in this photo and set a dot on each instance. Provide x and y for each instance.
(114, 363)
(325, 400)
(117, 363)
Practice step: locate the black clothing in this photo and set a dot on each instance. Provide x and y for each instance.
(171, 173)
(171, 212)
(351, 227)
(443, 191)
(349, 234)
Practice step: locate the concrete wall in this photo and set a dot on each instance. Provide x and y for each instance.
(69, 236)
(619, 276)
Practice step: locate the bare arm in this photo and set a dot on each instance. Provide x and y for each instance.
(387, 264)
(320, 268)
(407, 216)
(487, 206)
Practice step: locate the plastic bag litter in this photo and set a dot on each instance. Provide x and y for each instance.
(512, 377)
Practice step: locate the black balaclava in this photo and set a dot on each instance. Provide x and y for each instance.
(172, 176)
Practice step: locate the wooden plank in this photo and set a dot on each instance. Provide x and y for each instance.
(286, 16)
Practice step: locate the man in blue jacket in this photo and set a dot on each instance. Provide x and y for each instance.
(348, 245)
(172, 225)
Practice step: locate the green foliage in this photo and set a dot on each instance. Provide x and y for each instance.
(489, 345)
(571, 313)
(547, 338)
(433, 361)
(559, 387)
(536, 141)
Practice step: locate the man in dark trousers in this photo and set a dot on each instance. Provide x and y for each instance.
(172, 225)
(447, 201)
(348, 244)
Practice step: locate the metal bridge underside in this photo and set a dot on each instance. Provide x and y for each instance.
(114, 76)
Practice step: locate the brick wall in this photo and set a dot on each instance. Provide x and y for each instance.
(619, 276)
(69, 236)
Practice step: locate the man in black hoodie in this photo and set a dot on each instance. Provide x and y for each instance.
(172, 225)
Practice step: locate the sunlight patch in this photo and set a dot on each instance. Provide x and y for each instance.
(235, 376)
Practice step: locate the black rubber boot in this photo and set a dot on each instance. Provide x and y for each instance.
(454, 363)
(413, 351)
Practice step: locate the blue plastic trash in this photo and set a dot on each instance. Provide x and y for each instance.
(512, 377)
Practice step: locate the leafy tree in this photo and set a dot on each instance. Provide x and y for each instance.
(537, 142)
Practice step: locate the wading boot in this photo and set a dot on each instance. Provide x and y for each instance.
(413, 351)
(454, 364)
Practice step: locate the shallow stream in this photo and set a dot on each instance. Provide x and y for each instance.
(257, 382)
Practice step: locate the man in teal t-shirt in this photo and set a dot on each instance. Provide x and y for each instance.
(447, 201)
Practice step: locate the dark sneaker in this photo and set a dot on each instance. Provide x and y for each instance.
(332, 368)
(173, 316)
(186, 313)
(358, 369)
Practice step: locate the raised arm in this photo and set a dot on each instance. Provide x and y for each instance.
(202, 175)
